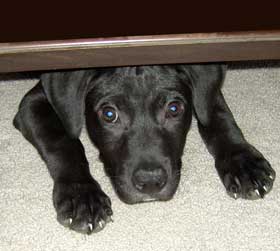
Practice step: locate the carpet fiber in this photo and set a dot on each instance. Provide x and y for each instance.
(201, 216)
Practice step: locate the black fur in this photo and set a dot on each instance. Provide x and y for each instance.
(138, 118)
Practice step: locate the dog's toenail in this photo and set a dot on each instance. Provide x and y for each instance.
(101, 223)
(110, 218)
(257, 192)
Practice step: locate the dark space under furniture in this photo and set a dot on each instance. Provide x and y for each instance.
(247, 35)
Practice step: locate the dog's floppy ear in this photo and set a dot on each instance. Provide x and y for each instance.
(205, 82)
(66, 92)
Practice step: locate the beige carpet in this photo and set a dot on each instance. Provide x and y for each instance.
(200, 217)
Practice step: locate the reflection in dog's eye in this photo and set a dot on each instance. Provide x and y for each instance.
(174, 109)
(108, 114)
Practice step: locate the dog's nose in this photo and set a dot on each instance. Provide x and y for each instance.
(149, 180)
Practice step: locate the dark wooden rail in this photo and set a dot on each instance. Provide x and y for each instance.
(139, 50)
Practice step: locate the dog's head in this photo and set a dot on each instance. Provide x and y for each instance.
(138, 117)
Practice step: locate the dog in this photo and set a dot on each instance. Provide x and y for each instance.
(138, 118)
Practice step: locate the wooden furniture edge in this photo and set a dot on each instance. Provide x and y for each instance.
(139, 50)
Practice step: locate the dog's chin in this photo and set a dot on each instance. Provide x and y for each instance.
(136, 198)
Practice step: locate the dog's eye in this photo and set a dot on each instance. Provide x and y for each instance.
(174, 109)
(108, 114)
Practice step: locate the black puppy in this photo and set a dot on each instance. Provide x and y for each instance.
(138, 118)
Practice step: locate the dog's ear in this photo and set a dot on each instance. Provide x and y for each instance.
(205, 82)
(66, 92)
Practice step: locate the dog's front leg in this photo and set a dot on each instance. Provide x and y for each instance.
(78, 199)
(243, 170)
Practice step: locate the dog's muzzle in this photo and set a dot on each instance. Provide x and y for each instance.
(149, 179)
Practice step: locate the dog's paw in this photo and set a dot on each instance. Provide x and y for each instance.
(246, 174)
(82, 207)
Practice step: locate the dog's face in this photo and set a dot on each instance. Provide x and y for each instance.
(138, 118)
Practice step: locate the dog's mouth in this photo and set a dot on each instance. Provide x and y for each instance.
(146, 189)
